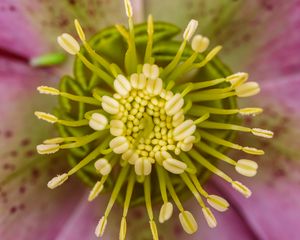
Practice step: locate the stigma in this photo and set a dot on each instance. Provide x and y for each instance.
(145, 119)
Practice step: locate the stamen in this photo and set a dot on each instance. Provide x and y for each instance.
(116, 127)
(262, 132)
(122, 85)
(166, 212)
(98, 121)
(130, 186)
(185, 129)
(97, 189)
(247, 89)
(147, 192)
(210, 218)
(68, 43)
(150, 30)
(103, 221)
(53, 91)
(102, 166)
(188, 222)
(174, 104)
(188, 33)
(57, 181)
(190, 30)
(119, 144)
(48, 90)
(130, 56)
(46, 117)
(174, 166)
(110, 105)
(143, 166)
(202, 118)
(47, 148)
(237, 79)
(246, 167)
(235, 184)
(200, 43)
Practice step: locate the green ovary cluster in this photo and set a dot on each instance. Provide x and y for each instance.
(154, 110)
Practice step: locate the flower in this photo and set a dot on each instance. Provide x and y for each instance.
(166, 207)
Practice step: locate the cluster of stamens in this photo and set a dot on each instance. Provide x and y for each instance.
(152, 121)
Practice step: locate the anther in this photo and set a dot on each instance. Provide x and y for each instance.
(48, 90)
(110, 105)
(166, 212)
(174, 166)
(200, 43)
(102, 166)
(262, 132)
(116, 127)
(57, 181)
(237, 79)
(68, 43)
(247, 89)
(188, 222)
(246, 167)
(46, 117)
(122, 85)
(119, 144)
(190, 30)
(47, 148)
(98, 121)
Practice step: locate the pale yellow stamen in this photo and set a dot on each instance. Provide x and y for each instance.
(47, 148)
(200, 43)
(57, 181)
(246, 167)
(247, 89)
(98, 121)
(68, 43)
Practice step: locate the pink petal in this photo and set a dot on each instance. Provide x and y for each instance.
(30, 27)
(259, 37)
(29, 210)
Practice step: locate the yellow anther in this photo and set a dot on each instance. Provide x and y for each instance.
(57, 181)
(68, 43)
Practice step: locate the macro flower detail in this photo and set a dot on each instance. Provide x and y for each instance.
(141, 120)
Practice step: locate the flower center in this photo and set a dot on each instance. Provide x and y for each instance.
(161, 114)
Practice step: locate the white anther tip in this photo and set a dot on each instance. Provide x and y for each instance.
(110, 105)
(119, 144)
(79, 30)
(165, 212)
(174, 166)
(262, 132)
(47, 148)
(46, 117)
(98, 121)
(247, 89)
(68, 43)
(241, 188)
(237, 79)
(57, 181)
(99, 231)
(190, 29)
(246, 167)
(188, 222)
(200, 43)
(209, 217)
(48, 90)
(128, 8)
(103, 166)
(218, 203)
